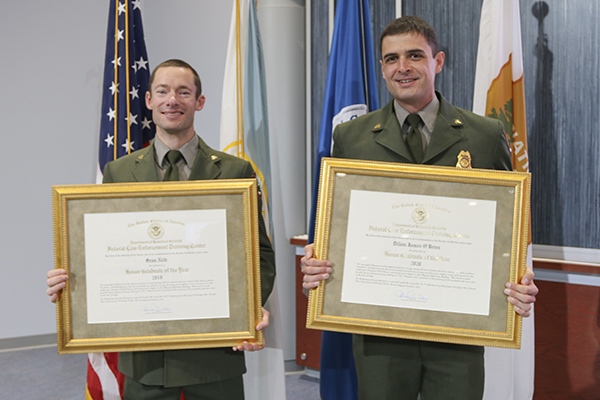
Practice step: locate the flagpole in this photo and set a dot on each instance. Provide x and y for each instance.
(364, 51)
(308, 108)
(398, 8)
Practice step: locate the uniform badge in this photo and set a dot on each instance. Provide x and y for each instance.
(464, 160)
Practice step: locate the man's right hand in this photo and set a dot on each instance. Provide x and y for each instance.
(57, 279)
(314, 270)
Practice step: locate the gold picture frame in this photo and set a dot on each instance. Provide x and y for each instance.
(506, 192)
(234, 200)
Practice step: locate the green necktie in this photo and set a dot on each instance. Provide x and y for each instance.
(414, 138)
(172, 173)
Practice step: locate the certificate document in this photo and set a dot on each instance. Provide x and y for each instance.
(156, 266)
(420, 252)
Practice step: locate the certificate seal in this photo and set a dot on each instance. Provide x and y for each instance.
(420, 215)
(156, 231)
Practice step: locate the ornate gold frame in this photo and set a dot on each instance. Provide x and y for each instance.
(237, 196)
(501, 328)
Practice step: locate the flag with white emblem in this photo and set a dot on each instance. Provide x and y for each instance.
(350, 92)
(351, 88)
(126, 124)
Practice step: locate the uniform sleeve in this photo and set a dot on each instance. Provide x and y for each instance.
(502, 152)
(267, 255)
(338, 150)
(107, 176)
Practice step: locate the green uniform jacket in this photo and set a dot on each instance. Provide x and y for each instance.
(376, 136)
(190, 367)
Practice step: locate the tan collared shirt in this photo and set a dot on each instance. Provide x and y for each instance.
(188, 151)
(428, 116)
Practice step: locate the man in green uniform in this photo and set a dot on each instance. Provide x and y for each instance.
(174, 97)
(419, 126)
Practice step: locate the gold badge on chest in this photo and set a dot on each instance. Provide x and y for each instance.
(464, 160)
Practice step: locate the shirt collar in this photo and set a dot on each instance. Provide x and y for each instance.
(428, 113)
(188, 151)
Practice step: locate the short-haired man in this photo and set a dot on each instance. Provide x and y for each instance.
(390, 368)
(174, 97)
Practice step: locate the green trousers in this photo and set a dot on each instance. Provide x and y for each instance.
(230, 389)
(401, 369)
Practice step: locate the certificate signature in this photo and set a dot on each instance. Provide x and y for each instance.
(153, 309)
(410, 295)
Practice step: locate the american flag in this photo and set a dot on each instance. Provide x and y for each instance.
(126, 124)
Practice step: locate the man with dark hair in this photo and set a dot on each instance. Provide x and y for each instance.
(419, 126)
(412, 25)
(174, 97)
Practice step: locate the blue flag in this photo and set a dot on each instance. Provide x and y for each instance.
(126, 124)
(350, 92)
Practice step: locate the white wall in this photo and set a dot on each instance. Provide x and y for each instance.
(51, 74)
(52, 56)
(195, 31)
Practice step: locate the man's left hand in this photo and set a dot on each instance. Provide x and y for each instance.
(246, 346)
(522, 296)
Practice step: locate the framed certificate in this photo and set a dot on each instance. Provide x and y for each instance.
(157, 266)
(420, 252)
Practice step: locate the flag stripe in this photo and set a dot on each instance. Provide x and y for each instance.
(106, 376)
(93, 389)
